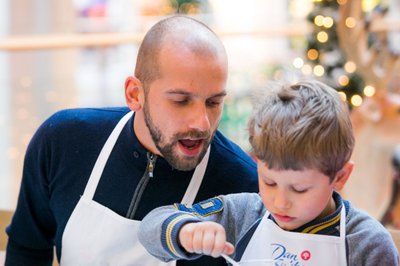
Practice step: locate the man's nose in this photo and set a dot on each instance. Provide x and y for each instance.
(199, 118)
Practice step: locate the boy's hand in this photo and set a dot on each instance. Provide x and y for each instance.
(207, 238)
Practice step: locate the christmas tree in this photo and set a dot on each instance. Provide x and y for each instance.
(324, 54)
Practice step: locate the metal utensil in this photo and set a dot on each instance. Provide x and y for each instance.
(230, 260)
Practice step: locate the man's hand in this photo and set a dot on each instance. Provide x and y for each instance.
(207, 238)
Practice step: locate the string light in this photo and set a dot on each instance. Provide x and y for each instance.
(350, 67)
(298, 62)
(312, 54)
(322, 37)
(328, 22)
(319, 20)
(369, 91)
(343, 80)
(332, 66)
(319, 70)
(350, 22)
(356, 100)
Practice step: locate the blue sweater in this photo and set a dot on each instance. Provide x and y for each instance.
(58, 163)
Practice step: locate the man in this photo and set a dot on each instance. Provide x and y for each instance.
(91, 175)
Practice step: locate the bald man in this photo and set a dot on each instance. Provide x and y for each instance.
(90, 175)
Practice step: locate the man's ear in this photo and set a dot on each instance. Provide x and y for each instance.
(342, 176)
(134, 94)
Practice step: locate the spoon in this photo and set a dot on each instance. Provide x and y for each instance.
(230, 260)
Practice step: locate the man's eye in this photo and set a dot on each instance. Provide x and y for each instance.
(213, 103)
(180, 101)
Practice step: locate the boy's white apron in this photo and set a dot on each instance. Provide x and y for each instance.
(95, 235)
(269, 241)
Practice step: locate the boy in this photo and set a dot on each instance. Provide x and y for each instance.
(302, 138)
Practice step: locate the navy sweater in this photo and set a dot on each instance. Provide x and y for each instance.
(58, 163)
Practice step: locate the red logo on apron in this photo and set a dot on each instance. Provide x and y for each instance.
(305, 255)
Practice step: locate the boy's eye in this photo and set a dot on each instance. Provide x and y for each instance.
(300, 190)
(270, 184)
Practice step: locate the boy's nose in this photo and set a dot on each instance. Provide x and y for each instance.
(281, 200)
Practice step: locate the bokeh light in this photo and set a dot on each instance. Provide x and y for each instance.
(298, 62)
(328, 22)
(369, 91)
(350, 67)
(350, 22)
(312, 54)
(319, 70)
(356, 100)
(322, 37)
(319, 20)
(343, 80)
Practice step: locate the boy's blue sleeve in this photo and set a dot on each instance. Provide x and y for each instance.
(159, 230)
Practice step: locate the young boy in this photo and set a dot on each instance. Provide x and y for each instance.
(302, 138)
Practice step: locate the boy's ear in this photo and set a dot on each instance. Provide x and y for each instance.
(133, 93)
(342, 176)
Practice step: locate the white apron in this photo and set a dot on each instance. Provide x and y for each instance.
(95, 235)
(271, 245)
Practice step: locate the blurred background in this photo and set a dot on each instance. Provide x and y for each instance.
(77, 53)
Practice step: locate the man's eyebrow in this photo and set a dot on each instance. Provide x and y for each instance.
(178, 91)
(221, 94)
(184, 92)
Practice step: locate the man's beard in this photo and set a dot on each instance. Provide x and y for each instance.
(167, 149)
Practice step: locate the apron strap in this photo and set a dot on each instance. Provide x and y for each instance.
(103, 157)
(197, 178)
(343, 235)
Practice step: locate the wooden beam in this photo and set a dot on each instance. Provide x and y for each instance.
(79, 40)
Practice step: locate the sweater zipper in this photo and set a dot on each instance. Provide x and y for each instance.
(148, 174)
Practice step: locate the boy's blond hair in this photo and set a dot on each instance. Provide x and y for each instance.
(305, 125)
